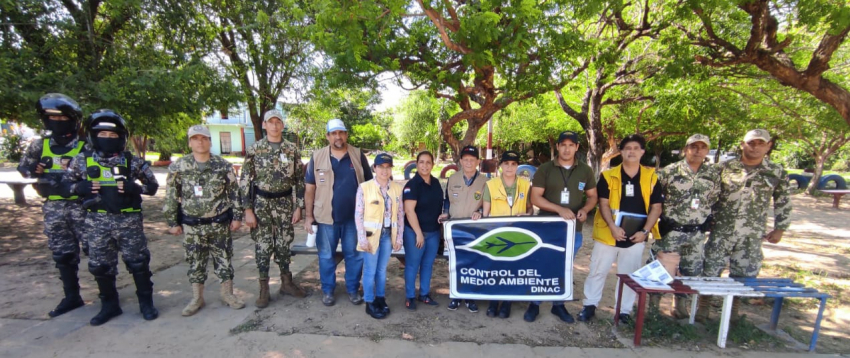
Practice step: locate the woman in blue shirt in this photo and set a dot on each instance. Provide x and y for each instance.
(423, 204)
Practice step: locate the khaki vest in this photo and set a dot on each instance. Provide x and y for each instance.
(601, 232)
(322, 208)
(464, 200)
(373, 211)
(499, 199)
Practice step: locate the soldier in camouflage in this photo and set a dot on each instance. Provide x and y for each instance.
(690, 187)
(47, 160)
(746, 189)
(106, 179)
(272, 193)
(202, 198)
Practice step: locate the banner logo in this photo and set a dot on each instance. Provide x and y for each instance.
(508, 244)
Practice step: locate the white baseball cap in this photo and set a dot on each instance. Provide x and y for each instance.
(757, 134)
(272, 113)
(698, 138)
(336, 125)
(199, 129)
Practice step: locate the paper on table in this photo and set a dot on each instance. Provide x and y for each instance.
(653, 276)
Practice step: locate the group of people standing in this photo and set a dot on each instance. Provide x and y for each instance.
(93, 202)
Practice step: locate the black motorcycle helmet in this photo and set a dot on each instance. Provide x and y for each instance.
(57, 104)
(106, 120)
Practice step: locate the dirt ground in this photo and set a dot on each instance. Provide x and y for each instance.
(815, 252)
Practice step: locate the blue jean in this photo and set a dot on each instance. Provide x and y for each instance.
(375, 268)
(327, 239)
(419, 261)
(576, 246)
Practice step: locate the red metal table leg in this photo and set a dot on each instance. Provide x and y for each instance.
(639, 319)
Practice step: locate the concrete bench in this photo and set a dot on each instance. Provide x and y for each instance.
(17, 186)
(836, 195)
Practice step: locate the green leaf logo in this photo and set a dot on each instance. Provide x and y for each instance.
(507, 244)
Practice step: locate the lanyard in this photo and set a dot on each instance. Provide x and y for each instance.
(566, 178)
(511, 200)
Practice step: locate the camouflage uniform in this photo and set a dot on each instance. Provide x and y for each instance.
(681, 186)
(110, 232)
(217, 195)
(741, 216)
(271, 171)
(63, 219)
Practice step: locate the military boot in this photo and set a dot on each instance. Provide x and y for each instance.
(144, 291)
(227, 296)
(263, 297)
(287, 286)
(680, 309)
(703, 309)
(654, 302)
(197, 301)
(109, 306)
(71, 286)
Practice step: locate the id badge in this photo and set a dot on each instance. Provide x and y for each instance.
(694, 204)
(565, 197)
(283, 158)
(199, 190)
(510, 201)
(630, 190)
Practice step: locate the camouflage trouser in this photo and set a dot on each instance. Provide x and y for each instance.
(742, 251)
(274, 233)
(64, 226)
(111, 233)
(203, 241)
(689, 245)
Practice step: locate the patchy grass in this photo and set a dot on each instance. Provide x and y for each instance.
(818, 279)
(251, 324)
(658, 326)
(744, 333)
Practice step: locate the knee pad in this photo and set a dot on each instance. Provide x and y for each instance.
(98, 270)
(140, 265)
(66, 259)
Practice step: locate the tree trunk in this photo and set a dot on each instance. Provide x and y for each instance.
(552, 145)
(820, 159)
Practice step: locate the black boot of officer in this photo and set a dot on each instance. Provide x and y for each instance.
(109, 305)
(68, 265)
(144, 288)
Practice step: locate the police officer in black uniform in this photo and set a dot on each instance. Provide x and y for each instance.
(47, 160)
(106, 178)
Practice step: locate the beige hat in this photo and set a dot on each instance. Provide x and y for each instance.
(698, 138)
(272, 113)
(199, 129)
(757, 134)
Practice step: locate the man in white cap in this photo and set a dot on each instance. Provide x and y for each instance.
(690, 188)
(272, 192)
(747, 187)
(202, 203)
(332, 178)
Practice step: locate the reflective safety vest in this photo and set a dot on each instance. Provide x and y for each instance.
(499, 203)
(54, 173)
(374, 207)
(111, 201)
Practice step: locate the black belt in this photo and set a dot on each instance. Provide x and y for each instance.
(270, 195)
(686, 228)
(222, 218)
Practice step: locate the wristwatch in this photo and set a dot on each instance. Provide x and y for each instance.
(645, 232)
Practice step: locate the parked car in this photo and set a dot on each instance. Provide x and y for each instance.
(723, 156)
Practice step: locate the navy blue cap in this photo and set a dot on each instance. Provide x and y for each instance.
(568, 135)
(383, 158)
(469, 150)
(509, 156)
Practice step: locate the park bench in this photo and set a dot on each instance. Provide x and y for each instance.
(728, 288)
(836, 195)
(17, 186)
